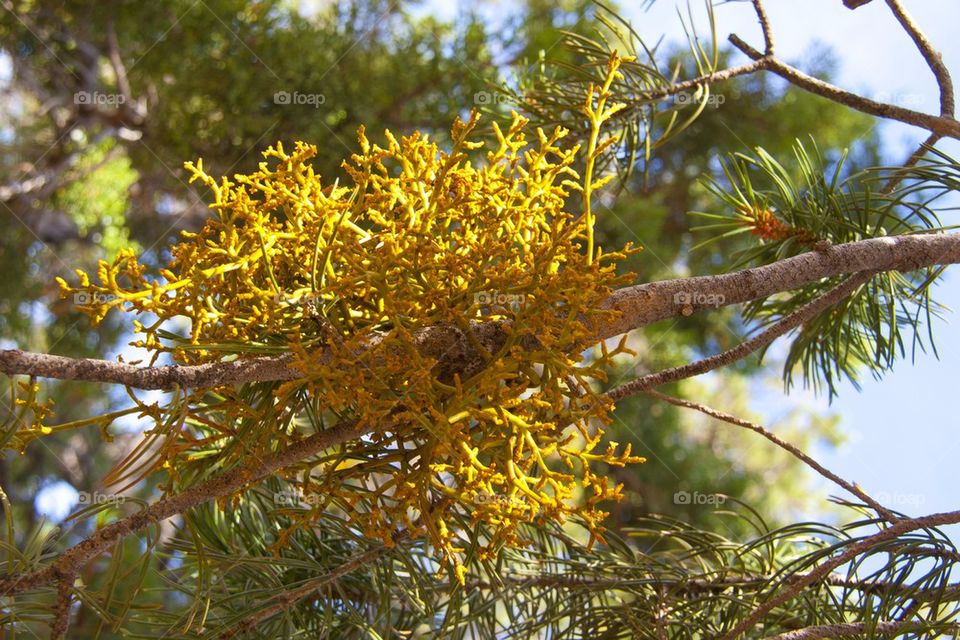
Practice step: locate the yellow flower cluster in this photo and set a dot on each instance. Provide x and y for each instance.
(348, 277)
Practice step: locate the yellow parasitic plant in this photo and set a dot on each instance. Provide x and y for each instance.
(346, 277)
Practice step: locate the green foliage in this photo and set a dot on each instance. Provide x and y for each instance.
(549, 91)
(97, 198)
(658, 578)
(811, 206)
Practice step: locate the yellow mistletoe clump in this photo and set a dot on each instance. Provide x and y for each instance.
(353, 280)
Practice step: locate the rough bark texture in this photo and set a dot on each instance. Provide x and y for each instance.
(846, 630)
(648, 303)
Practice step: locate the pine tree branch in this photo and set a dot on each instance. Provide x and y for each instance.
(891, 532)
(637, 306)
(742, 350)
(730, 72)
(225, 483)
(287, 599)
(901, 252)
(644, 304)
(707, 78)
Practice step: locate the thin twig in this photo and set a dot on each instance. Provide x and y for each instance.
(783, 444)
(286, 599)
(707, 78)
(116, 62)
(945, 126)
(847, 630)
(930, 54)
(765, 26)
(912, 161)
(696, 585)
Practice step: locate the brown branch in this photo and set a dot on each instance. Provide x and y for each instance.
(225, 483)
(891, 532)
(637, 306)
(933, 57)
(14, 361)
(945, 126)
(847, 630)
(765, 27)
(742, 350)
(945, 554)
(783, 444)
(707, 78)
(912, 161)
(61, 611)
(447, 344)
(116, 61)
(730, 72)
(645, 304)
(685, 586)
